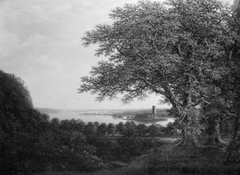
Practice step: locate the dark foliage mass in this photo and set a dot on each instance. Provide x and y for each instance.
(20, 126)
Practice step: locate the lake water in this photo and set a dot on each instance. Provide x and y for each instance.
(101, 118)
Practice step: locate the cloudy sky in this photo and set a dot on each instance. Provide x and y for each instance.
(40, 41)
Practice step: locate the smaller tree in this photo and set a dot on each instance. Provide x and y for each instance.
(120, 128)
(55, 123)
(80, 125)
(111, 129)
(130, 129)
(96, 123)
(102, 129)
(65, 125)
(141, 130)
(153, 130)
(90, 129)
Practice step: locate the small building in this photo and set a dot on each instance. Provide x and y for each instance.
(154, 111)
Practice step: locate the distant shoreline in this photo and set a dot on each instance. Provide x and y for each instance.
(148, 120)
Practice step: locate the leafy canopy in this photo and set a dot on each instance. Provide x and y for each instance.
(177, 49)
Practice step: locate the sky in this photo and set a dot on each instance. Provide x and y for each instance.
(40, 42)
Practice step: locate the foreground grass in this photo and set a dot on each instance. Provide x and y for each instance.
(168, 160)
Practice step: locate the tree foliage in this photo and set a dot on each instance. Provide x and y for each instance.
(234, 146)
(14, 96)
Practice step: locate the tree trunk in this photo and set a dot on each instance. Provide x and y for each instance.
(234, 146)
(213, 131)
(190, 129)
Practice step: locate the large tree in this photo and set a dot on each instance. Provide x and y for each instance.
(234, 146)
(174, 50)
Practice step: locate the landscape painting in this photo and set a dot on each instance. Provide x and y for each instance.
(131, 87)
